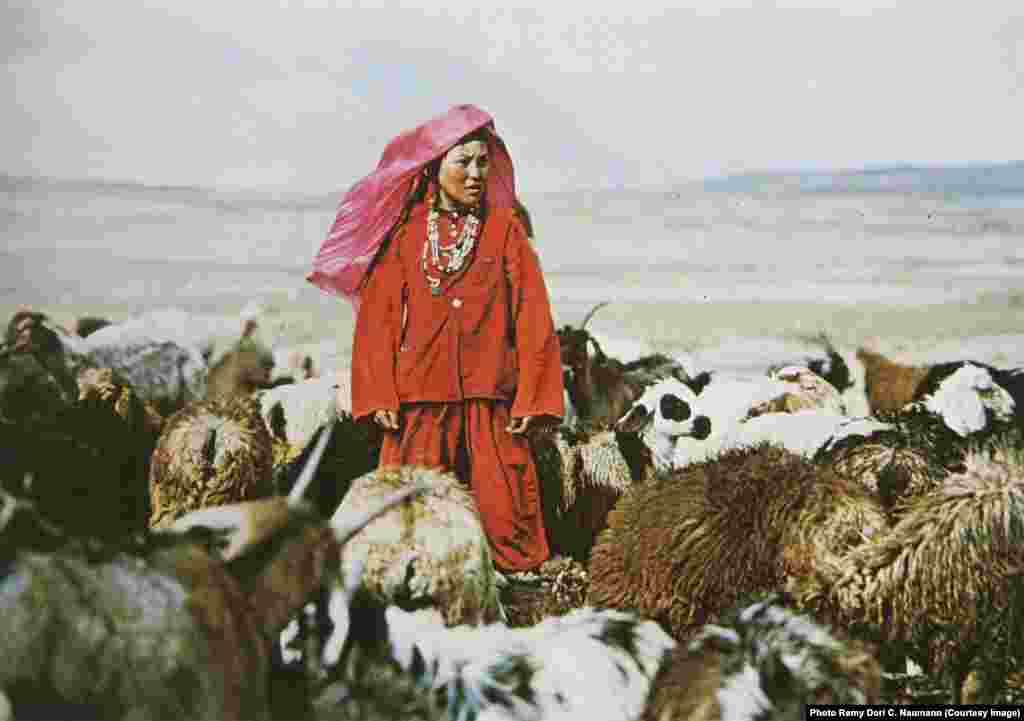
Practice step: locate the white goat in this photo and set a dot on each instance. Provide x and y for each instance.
(302, 407)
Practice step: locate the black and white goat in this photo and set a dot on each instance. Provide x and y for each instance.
(763, 660)
(661, 416)
(972, 397)
(681, 426)
(598, 665)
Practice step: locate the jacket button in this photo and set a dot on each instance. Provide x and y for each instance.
(456, 302)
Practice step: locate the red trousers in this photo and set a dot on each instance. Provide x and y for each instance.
(469, 439)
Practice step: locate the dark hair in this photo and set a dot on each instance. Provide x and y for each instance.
(481, 134)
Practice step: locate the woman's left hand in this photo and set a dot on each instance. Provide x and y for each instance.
(519, 425)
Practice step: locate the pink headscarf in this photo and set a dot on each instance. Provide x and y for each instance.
(373, 205)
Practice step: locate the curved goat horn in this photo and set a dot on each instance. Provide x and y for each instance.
(309, 470)
(593, 310)
(345, 528)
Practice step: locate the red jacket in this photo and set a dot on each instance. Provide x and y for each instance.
(489, 334)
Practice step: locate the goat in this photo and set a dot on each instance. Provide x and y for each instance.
(763, 661)
(736, 412)
(587, 664)
(596, 664)
(179, 625)
(602, 388)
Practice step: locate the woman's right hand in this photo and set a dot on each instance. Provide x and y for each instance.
(388, 420)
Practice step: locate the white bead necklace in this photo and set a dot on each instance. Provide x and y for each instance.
(457, 251)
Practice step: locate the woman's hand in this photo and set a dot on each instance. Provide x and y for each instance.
(388, 420)
(519, 425)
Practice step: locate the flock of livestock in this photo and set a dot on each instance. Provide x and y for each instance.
(187, 533)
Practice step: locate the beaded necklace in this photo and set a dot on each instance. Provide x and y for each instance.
(455, 252)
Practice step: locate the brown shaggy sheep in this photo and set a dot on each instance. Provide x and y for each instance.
(210, 453)
(945, 583)
(909, 459)
(684, 547)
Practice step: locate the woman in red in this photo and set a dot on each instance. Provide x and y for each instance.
(455, 353)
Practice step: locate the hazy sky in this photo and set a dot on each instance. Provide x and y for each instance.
(304, 95)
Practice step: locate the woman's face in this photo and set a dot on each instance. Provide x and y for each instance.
(463, 174)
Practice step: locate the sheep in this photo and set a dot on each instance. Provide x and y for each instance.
(762, 661)
(163, 370)
(431, 551)
(37, 377)
(810, 391)
(178, 625)
(956, 406)
(944, 584)
(558, 586)
(105, 386)
(112, 417)
(803, 432)
(581, 479)
(900, 456)
(210, 453)
(586, 664)
(583, 476)
(687, 545)
(754, 357)
(765, 658)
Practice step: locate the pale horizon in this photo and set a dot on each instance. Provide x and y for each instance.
(689, 183)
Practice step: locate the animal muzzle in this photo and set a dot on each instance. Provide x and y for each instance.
(701, 428)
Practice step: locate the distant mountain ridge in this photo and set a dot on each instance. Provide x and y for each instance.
(191, 194)
(969, 179)
(972, 179)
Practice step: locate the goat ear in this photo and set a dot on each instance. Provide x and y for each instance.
(698, 382)
(634, 420)
(598, 352)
